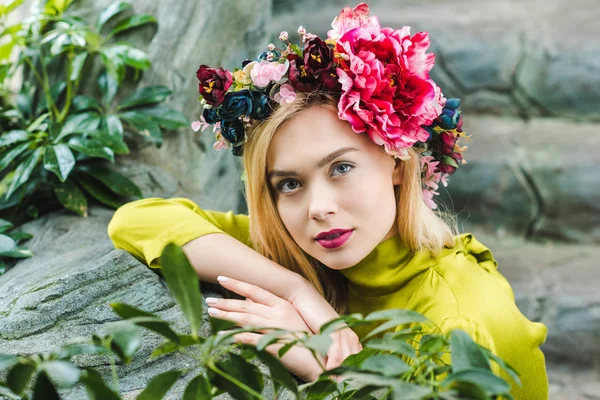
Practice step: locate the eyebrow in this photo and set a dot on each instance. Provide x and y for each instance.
(324, 161)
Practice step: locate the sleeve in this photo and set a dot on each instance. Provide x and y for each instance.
(144, 227)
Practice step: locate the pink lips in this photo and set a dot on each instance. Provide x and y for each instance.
(332, 243)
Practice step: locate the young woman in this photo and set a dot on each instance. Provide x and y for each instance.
(343, 148)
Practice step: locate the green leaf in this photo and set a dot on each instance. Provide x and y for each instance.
(64, 373)
(199, 388)
(183, 283)
(44, 389)
(20, 235)
(98, 191)
(10, 156)
(469, 391)
(466, 353)
(385, 364)
(236, 366)
(296, 49)
(171, 346)
(112, 135)
(67, 351)
(24, 171)
(450, 161)
(165, 117)
(19, 252)
(133, 22)
(7, 244)
(503, 364)
(71, 197)
(86, 123)
(395, 346)
(59, 160)
(146, 95)
(320, 343)
(321, 389)
(116, 182)
(145, 319)
(432, 344)
(395, 318)
(112, 10)
(410, 391)
(91, 148)
(18, 377)
(5, 225)
(9, 6)
(19, 194)
(85, 103)
(7, 361)
(136, 58)
(77, 66)
(96, 387)
(144, 126)
(37, 123)
(490, 383)
(126, 339)
(108, 84)
(159, 386)
(279, 373)
(13, 137)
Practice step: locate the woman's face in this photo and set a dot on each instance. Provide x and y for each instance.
(326, 177)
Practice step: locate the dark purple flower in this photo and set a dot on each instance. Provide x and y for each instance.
(214, 82)
(300, 79)
(329, 79)
(210, 116)
(232, 131)
(317, 56)
(261, 108)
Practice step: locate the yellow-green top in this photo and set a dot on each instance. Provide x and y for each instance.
(461, 288)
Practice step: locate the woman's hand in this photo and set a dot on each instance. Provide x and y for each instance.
(261, 308)
(316, 311)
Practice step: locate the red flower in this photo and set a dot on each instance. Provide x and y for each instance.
(300, 78)
(317, 56)
(214, 82)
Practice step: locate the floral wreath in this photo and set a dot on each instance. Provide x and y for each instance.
(381, 75)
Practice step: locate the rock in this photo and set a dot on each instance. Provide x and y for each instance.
(63, 293)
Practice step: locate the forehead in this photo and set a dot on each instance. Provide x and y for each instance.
(311, 135)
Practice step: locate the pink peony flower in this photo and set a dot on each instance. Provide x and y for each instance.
(386, 89)
(351, 18)
(264, 72)
(285, 95)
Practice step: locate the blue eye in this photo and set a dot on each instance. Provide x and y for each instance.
(343, 168)
(294, 185)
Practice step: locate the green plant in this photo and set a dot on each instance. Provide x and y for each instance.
(9, 244)
(56, 133)
(403, 364)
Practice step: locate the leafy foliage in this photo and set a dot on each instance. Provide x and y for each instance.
(55, 138)
(400, 362)
(10, 248)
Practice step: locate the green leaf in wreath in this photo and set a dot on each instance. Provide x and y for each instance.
(59, 159)
(159, 386)
(146, 95)
(450, 161)
(116, 182)
(183, 283)
(134, 21)
(13, 137)
(109, 12)
(24, 171)
(71, 197)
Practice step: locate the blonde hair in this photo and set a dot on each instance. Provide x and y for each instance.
(418, 226)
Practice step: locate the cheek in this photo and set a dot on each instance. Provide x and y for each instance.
(291, 215)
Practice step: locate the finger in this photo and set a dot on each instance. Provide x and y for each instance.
(240, 319)
(334, 357)
(253, 292)
(242, 306)
(247, 338)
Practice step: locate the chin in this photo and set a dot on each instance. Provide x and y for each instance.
(340, 260)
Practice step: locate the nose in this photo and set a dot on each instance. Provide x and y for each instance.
(322, 204)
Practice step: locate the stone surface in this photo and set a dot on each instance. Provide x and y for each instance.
(63, 294)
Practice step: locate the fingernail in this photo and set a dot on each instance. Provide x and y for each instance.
(213, 311)
(211, 300)
(223, 279)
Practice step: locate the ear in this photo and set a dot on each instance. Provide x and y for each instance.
(397, 173)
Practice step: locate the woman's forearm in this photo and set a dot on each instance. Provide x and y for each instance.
(220, 254)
